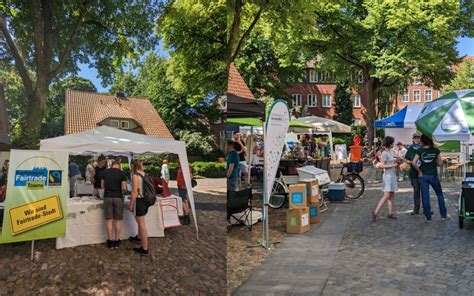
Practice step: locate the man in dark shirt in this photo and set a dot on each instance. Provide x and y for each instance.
(74, 175)
(96, 174)
(114, 182)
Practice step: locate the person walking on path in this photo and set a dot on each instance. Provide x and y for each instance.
(389, 183)
(183, 192)
(232, 167)
(413, 174)
(114, 182)
(401, 153)
(429, 158)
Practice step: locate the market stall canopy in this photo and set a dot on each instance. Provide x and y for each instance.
(405, 118)
(242, 107)
(450, 117)
(320, 124)
(111, 141)
(247, 121)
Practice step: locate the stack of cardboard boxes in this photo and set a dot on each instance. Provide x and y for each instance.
(303, 206)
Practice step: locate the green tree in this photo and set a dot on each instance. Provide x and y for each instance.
(194, 35)
(53, 122)
(343, 103)
(179, 110)
(386, 42)
(464, 77)
(45, 40)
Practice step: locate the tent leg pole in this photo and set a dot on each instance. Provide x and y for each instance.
(32, 250)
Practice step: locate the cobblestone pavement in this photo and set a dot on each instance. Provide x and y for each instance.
(177, 265)
(406, 256)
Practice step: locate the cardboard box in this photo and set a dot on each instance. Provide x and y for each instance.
(297, 196)
(312, 191)
(314, 211)
(297, 220)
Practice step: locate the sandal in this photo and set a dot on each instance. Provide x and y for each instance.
(391, 216)
(374, 216)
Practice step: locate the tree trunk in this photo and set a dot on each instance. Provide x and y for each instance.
(34, 113)
(368, 89)
(233, 32)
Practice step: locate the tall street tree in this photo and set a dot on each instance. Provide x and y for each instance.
(387, 42)
(45, 40)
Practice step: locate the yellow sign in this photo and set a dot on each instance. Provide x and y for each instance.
(34, 185)
(35, 214)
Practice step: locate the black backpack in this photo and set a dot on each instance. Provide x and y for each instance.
(148, 194)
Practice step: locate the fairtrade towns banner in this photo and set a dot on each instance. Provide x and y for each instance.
(37, 192)
(277, 124)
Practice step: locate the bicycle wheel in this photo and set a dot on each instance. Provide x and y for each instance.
(278, 196)
(354, 185)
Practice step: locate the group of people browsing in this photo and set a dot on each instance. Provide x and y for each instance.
(423, 158)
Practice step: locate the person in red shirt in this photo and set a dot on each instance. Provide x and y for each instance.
(183, 193)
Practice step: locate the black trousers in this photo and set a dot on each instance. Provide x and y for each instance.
(415, 183)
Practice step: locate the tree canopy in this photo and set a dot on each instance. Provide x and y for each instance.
(463, 78)
(46, 40)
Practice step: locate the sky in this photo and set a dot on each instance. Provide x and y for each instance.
(465, 47)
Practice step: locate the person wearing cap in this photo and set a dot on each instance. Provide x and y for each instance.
(413, 174)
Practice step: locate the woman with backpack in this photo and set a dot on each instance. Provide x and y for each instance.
(140, 204)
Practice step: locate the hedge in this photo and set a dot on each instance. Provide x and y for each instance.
(200, 168)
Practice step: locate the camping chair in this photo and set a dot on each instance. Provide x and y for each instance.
(239, 206)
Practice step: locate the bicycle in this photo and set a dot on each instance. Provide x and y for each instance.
(353, 182)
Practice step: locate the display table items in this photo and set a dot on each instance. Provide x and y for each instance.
(85, 223)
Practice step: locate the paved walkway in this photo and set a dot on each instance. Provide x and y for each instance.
(301, 263)
(390, 257)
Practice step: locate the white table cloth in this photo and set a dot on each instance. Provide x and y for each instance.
(84, 189)
(85, 223)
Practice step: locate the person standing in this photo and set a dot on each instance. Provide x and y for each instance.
(74, 175)
(183, 192)
(401, 153)
(241, 150)
(5, 166)
(413, 174)
(389, 182)
(139, 205)
(114, 182)
(89, 169)
(165, 171)
(96, 175)
(429, 158)
(232, 167)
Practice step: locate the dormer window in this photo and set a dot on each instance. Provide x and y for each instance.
(114, 123)
(125, 124)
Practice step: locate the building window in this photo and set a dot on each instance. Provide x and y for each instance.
(428, 96)
(356, 101)
(312, 101)
(124, 124)
(296, 100)
(416, 81)
(405, 98)
(313, 76)
(416, 96)
(326, 101)
(360, 77)
(114, 123)
(321, 76)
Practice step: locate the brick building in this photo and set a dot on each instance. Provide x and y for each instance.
(315, 94)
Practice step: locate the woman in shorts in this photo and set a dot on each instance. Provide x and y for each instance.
(141, 208)
(389, 184)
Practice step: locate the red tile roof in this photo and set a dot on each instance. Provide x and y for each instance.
(236, 85)
(85, 110)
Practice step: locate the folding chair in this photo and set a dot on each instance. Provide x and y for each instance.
(239, 206)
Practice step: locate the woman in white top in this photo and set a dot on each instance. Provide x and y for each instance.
(388, 162)
(89, 169)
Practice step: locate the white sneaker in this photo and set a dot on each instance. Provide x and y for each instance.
(445, 218)
(428, 221)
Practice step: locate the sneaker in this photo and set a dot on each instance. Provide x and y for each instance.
(445, 218)
(110, 244)
(392, 216)
(427, 220)
(117, 243)
(415, 213)
(140, 251)
(135, 239)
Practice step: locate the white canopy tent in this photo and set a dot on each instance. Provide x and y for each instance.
(111, 141)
